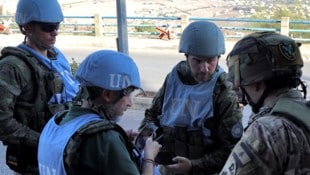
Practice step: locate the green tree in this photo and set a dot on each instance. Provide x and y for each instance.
(294, 10)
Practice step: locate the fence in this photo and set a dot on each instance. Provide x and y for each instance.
(98, 25)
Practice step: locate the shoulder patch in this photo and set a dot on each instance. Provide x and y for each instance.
(237, 130)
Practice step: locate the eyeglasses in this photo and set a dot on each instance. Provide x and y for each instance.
(48, 27)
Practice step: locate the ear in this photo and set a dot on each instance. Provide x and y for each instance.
(28, 28)
(106, 96)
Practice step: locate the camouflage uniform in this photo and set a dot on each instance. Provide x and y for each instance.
(272, 144)
(225, 126)
(277, 139)
(25, 90)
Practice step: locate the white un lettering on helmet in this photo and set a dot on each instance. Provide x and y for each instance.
(119, 81)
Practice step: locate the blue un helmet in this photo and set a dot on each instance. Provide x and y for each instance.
(202, 39)
(48, 11)
(110, 70)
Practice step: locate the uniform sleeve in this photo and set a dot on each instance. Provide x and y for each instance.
(152, 113)
(226, 128)
(106, 153)
(13, 78)
(264, 149)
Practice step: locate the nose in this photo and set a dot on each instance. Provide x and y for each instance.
(204, 66)
(129, 102)
(54, 32)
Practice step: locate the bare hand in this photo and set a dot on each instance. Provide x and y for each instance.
(151, 148)
(182, 165)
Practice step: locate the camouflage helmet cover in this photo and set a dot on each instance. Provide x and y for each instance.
(261, 56)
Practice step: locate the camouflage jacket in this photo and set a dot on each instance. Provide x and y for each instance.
(275, 141)
(25, 87)
(19, 85)
(227, 115)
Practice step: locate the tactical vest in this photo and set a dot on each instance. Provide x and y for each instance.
(297, 112)
(34, 112)
(44, 89)
(71, 154)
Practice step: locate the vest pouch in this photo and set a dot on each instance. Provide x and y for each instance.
(168, 139)
(181, 133)
(195, 146)
(195, 137)
(180, 148)
(54, 82)
(22, 159)
(195, 152)
(165, 154)
(180, 141)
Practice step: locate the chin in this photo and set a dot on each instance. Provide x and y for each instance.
(116, 119)
(48, 46)
(200, 80)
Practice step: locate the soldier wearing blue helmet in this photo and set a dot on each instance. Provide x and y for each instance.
(35, 81)
(88, 139)
(196, 109)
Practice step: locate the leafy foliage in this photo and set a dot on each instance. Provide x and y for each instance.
(74, 65)
(295, 11)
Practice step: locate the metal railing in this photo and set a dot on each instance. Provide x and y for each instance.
(146, 26)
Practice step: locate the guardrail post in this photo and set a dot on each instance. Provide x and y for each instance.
(184, 22)
(285, 26)
(98, 25)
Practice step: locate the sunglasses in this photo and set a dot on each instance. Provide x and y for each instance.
(48, 27)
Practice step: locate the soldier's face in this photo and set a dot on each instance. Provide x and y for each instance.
(117, 109)
(202, 68)
(40, 38)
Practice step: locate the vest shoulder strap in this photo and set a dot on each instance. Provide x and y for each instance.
(26, 57)
(96, 126)
(296, 110)
(19, 53)
(72, 152)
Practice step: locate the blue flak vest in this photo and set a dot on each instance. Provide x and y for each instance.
(53, 141)
(188, 105)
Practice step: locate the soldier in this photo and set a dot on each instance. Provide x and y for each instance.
(86, 139)
(196, 110)
(266, 66)
(35, 82)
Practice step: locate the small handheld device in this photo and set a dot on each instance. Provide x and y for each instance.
(147, 131)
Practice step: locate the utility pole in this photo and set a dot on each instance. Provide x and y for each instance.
(122, 33)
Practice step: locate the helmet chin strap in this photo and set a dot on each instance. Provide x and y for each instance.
(256, 106)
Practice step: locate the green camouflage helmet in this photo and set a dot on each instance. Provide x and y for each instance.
(262, 56)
